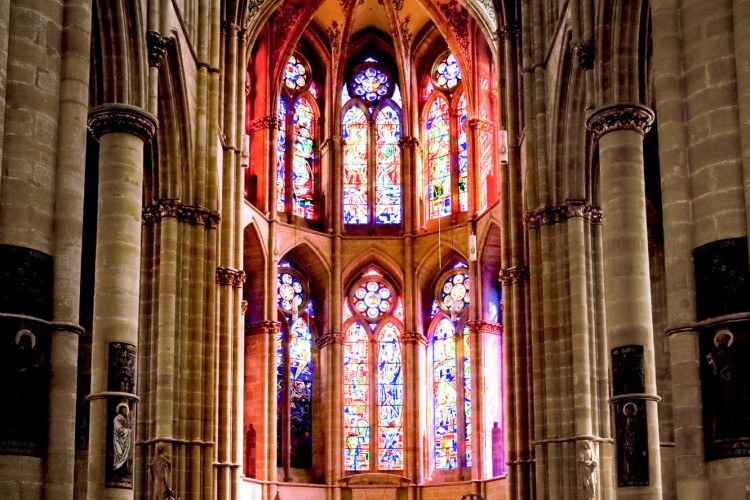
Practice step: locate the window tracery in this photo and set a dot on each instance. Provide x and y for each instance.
(294, 369)
(296, 167)
(371, 129)
(372, 375)
(451, 371)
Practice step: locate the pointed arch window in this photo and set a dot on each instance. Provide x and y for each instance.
(297, 167)
(450, 341)
(294, 369)
(371, 130)
(446, 166)
(372, 375)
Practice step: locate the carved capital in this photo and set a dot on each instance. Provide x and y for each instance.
(584, 55)
(408, 142)
(513, 275)
(263, 328)
(168, 207)
(228, 276)
(414, 338)
(620, 117)
(123, 118)
(157, 48)
(153, 214)
(329, 338)
(199, 216)
(509, 31)
(478, 123)
(267, 122)
(482, 327)
(549, 216)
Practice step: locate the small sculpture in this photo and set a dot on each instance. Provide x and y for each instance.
(161, 473)
(586, 471)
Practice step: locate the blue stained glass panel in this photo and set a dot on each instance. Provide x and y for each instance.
(388, 167)
(445, 396)
(356, 399)
(302, 171)
(463, 157)
(300, 402)
(280, 158)
(467, 392)
(390, 400)
(355, 137)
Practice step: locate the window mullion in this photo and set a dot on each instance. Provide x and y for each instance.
(374, 414)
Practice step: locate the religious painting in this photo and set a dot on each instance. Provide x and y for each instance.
(725, 380)
(722, 278)
(25, 282)
(23, 394)
(120, 436)
(627, 370)
(632, 442)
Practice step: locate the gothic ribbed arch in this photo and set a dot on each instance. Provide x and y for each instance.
(487, 289)
(173, 137)
(617, 48)
(121, 56)
(254, 259)
(377, 258)
(308, 257)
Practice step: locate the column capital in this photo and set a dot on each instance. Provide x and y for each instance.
(109, 118)
(625, 116)
(479, 123)
(226, 276)
(513, 275)
(414, 338)
(509, 31)
(267, 122)
(329, 338)
(480, 326)
(172, 207)
(263, 328)
(408, 142)
(157, 47)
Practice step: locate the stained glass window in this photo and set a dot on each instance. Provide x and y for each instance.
(390, 400)
(446, 73)
(371, 129)
(451, 364)
(445, 395)
(438, 160)
(446, 165)
(302, 171)
(373, 378)
(463, 156)
(355, 136)
(294, 369)
(295, 173)
(356, 399)
(281, 157)
(371, 83)
(295, 74)
(387, 167)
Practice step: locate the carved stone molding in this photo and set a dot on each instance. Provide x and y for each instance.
(123, 118)
(483, 327)
(267, 122)
(329, 338)
(414, 338)
(157, 48)
(153, 214)
(228, 276)
(478, 123)
(549, 216)
(513, 275)
(408, 142)
(620, 117)
(263, 328)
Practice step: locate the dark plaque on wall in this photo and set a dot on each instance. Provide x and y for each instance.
(632, 442)
(722, 278)
(24, 367)
(627, 370)
(25, 282)
(725, 381)
(118, 471)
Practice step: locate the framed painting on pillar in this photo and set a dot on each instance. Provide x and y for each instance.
(120, 436)
(632, 442)
(722, 278)
(725, 383)
(627, 370)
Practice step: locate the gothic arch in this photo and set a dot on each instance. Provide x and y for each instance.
(254, 261)
(488, 289)
(311, 261)
(377, 258)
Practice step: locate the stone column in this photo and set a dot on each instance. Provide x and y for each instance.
(122, 131)
(69, 182)
(619, 130)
